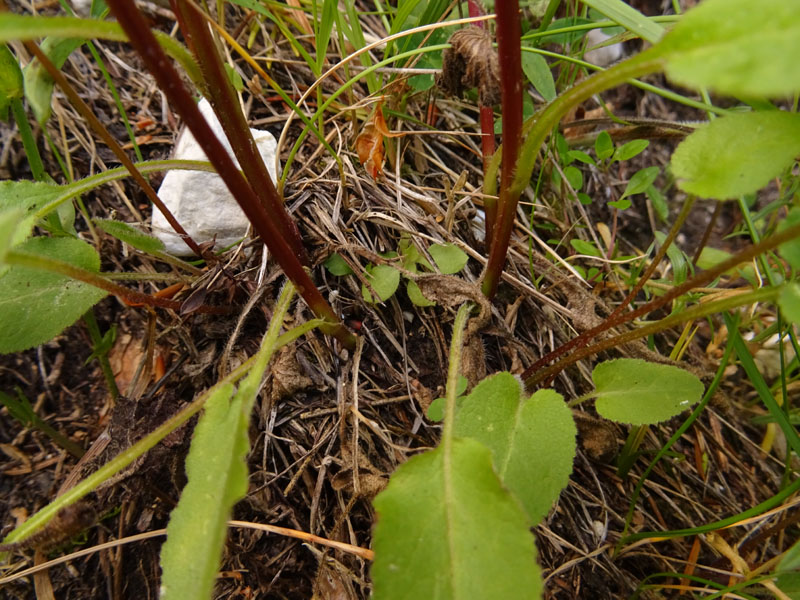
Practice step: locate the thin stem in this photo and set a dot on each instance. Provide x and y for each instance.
(453, 371)
(696, 312)
(130, 297)
(28, 143)
(584, 338)
(101, 131)
(695, 282)
(100, 353)
(168, 79)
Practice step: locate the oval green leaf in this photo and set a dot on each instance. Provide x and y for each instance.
(737, 47)
(532, 439)
(338, 266)
(448, 530)
(448, 257)
(35, 306)
(641, 180)
(634, 391)
(539, 74)
(384, 281)
(416, 296)
(737, 154)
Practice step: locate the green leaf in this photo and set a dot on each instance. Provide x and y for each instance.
(216, 470)
(629, 150)
(574, 177)
(791, 250)
(581, 156)
(584, 198)
(584, 247)
(679, 261)
(532, 439)
(11, 85)
(448, 530)
(659, 203)
(448, 257)
(621, 204)
(27, 27)
(130, 235)
(9, 223)
(736, 47)
(35, 306)
(641, 180)
(28, 196)
(737, 154)
(790, 560)
(789, 584)
(634, 391)
(38, 83)
(384, 281)
(603, 145)
(336, 265)
(539, 74)
(324, 28)
(789, 301)
(217, 477)
(630, 18)
(416, 296)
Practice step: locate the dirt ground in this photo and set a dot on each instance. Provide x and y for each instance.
(330, 426)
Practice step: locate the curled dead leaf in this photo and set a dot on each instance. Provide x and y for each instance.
(369, 143)
(471, 62)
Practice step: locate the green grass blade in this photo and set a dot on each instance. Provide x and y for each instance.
(217, 479)
(25, 27)
(630, 18)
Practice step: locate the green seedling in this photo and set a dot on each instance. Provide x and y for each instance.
(383, 280)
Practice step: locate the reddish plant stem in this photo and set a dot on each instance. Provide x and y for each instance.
(586, 336)
(532, 378)
(126, 295)
(487, 138)
(144, 42)
(109, 141)
(508, 41)
(226, 106)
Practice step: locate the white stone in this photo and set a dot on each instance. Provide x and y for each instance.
(200, 201)
(605, 55)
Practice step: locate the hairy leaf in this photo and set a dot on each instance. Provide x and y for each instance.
(631, 390)
(448, 530)
(736, 47)
(532, 439)
(737, 154)
(35, 306)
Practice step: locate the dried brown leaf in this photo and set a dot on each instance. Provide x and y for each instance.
(471, 62)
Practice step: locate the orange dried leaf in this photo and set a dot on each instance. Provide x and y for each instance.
(369, 143)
